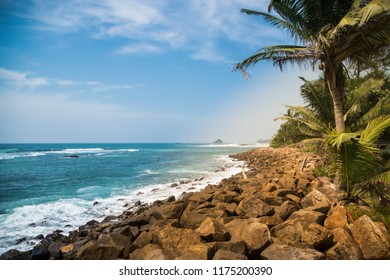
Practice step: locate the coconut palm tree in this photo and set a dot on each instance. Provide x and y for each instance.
(330, 33)
(354, 154)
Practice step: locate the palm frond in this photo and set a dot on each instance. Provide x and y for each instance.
(361, 95)
(280, 55)
(382, 178)
(294, 30)
(382, 107)
(374, 129)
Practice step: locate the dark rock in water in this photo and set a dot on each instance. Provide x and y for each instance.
(20, 240)
(174, 185)
(15, 255)
(92, 222)
(170, 199)
(32, 225)
(138, 203)
(68, 226)
(71, 156)
(40, 252)
(40, 236)
(96, 203)
(219, 141)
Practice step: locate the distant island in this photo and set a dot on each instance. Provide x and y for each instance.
(219, 141)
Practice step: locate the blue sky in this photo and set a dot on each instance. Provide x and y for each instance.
(138, 71)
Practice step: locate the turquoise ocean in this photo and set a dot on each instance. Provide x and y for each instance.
(47, 187)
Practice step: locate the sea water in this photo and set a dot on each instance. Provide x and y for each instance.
(47, 187)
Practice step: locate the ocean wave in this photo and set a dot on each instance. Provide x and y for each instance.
(12, 156)
(150, 172)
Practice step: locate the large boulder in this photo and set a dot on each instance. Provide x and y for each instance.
(286, 209)
(318, 237)
(212, 230)
(253, 207)
(337, 218)
(169, 211)
(141, 253)
(191, 219)
(94, 250)
(290, 231)
(316, 201)
(345, 247)
(174, 240)
(255, 234)
(308, 217)
(286, 252)
(373, 242)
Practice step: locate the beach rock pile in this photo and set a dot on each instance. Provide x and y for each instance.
(275, 210)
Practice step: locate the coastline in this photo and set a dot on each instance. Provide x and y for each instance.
(277, 209)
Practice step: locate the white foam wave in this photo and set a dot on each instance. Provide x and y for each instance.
(12, 156)
(151, 172)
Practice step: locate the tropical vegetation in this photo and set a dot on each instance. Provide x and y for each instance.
(347, 109)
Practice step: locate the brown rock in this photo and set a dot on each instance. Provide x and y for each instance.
(159, 254)
(345, 247)
(191, 219)
(212, 230)
(290, 231)
(294, 198)
(253, 207)
(369, 237)
(308, 217)
(316, 201)
(285, 252)
(94, 250)
(271, 221)
(273, 200)
(204, 251)
(143, 239)
(175, 240)
(256, 235)
(66, 248)
(286, 209)
(318, 237)
(141, 253)
(229, 208)
(171, 211)
(238, 247)
(200, 197)
(337, 218)
(228, 255)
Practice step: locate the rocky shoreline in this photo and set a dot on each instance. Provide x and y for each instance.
(277, 210)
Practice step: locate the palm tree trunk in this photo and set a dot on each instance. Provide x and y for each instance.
(335, 80)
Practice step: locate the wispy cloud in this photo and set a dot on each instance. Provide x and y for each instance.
(138, 48)
(152, 26)
(21, 79)
(24, 80)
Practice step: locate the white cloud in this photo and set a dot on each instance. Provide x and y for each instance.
(150, 25)
(21, 79)
(207, 52)
(138, 48)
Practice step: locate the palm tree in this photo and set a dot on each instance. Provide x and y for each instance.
(354, 154)
(331, 32)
